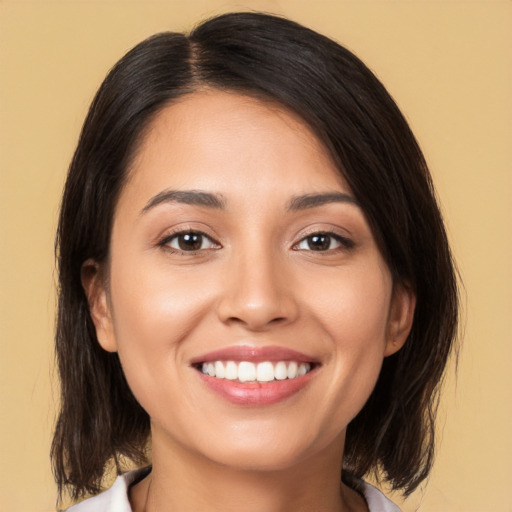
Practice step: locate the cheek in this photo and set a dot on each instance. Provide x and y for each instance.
(154, 310)
(352, 305)
(155, 302)
(355, 325)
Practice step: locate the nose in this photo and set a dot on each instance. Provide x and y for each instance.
(258, 293)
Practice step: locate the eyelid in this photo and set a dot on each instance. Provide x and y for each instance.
(164, 240)
(345, 241)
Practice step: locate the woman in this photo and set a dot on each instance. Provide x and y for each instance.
(255, 282)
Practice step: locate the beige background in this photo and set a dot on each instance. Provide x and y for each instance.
(448, 64)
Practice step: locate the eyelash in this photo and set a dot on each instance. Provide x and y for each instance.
(164, 243)
(345, 243)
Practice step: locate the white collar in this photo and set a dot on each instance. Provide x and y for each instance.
(115, 499)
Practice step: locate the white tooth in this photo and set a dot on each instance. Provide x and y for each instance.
(210, 369)
(220, 373)
(204, 368)
(246, 371)
(292, 370)
(302, 370)
(231, 370)
(280, 371)
(265, 372)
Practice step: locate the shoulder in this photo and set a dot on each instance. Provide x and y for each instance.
(376, 501)
(114, 499)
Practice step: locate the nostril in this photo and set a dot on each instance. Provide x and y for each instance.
(256, 322)
(278, 320)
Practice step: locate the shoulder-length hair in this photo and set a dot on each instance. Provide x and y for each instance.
(350, 111)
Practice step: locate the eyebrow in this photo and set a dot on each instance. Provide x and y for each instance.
(192, 197)
(307, 201)
(216, 201)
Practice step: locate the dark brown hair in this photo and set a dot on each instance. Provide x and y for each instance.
(269, 57)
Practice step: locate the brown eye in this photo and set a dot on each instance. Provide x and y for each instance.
(320, 242)
(189, 241)
(323, 242)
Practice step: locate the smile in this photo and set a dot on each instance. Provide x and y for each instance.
(247, 371)
(251, 375)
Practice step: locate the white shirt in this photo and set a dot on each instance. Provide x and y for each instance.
(115, 499)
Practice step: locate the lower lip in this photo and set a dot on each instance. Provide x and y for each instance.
(256, 393)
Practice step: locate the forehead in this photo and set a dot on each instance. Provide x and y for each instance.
(227, 142)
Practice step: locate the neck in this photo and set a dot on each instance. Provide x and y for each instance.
(182, 481)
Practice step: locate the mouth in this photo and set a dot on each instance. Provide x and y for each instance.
(247, 371)
(255, 376)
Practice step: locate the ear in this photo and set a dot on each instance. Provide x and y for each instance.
(401, 316)
(99, 306)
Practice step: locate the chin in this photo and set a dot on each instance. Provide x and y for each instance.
(267, 447)
(259, 460)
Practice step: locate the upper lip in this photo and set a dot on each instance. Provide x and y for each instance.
(254, 354)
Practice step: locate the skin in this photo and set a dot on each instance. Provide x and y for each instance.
(254, 281)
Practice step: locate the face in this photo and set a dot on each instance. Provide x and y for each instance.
(246, 296)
